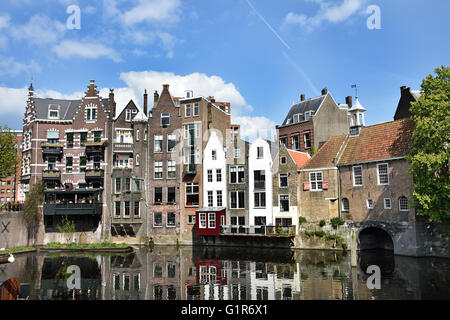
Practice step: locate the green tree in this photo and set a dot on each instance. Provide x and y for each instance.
(67, 227)
(430, 156)
(31, 214)
(8, 154)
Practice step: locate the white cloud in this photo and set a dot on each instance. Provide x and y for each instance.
(13, 101)
(329, 12)
(254, 127)
(89, 10)
(152, 11)
(39, 30)
(4, 21)
(88, 50)
(10, 67)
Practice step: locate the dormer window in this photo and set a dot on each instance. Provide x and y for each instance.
(308, 115)
(297, 117)
(53, 112)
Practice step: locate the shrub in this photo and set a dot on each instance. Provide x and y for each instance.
(301, 220)
(344, 246)
(319, 233)
(337, 221)
(322, 223)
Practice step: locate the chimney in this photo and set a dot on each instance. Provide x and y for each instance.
(348, 101)
(211, 98)
(155, 96)
(402, 88)
(324, 91)
(302, 97)
(165, 87)
(112, 104)
(145, 101)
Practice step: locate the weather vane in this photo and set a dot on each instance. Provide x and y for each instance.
(354, 86)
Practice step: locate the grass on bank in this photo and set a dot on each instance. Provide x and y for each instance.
(16, 249)
(101, 245)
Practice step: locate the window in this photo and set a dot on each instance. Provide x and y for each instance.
(170, 219)
(158, 143)
(259, 152)
(283, 141)
(127, 184)
(315, 180)
(116, 282)
(345, 205)
(91, 112)
(357, 176)
(295, 143)
(52, 136)
(157, 219)
(296, 118)
(137, 159)
(97, 162)
(145, 135)
(137, 282)
(117, 209)
(202, 220)
(369, 204)
(137, 185)
(158, 195)
(126, 282)
(82, 163)
(158, 271)
(383, 176)
(237, 199)
(158, 291)
(171, 169)
(283, 180)
(53, 114)
(51, 163)
(118, 185)
(259, 179)
(171, 268)
(128, 115)
(307, 140)
(187, 112)
(69, 139)
(165, 119)
(219, 198)
(210, 199)
(137, 212)
(237, 152)
(260, 199)
(192, 196)
(210, 175)
(195, 109)
(191, 219)
(403, 204)
(214, 154)
(284, 203)
(308, 115)
(158, 169)
(138, 135)
(83, 138)
(97, 136)
(126, 212)
(387, 203)
(237, 174)
(171, 195)
(283, 160)
(191, 131)
(219, 175)
(69, 164)
(171, 142)
(212, 220)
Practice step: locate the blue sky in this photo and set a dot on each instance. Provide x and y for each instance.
(258, 54)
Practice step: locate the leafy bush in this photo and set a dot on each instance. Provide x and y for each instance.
(337, 221)
(319, 233)
(344, 246)
(322, 223)
(301, 220)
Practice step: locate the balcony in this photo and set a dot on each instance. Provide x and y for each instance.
(277, 231)
(72, 209)
(94, 174)
(52, 149)
(123, 147)
(51, 175)
(95, 148)
(190, 168)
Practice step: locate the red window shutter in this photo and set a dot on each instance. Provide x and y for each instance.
(325, 185)
(306, 186)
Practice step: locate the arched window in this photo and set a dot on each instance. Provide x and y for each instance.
(138, 135)
(137, 159)
(145, 135)
(345, 205)
(403, 204)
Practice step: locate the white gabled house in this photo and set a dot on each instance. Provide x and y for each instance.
(214, 173)
(260, 183)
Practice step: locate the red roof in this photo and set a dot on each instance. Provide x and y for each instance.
(300, 158)
(381, 141)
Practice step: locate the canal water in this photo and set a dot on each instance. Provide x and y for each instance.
(212, 273)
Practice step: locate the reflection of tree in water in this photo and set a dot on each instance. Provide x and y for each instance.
(54, 278)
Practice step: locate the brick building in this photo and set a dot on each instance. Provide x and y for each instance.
(10, 188)
(310, 122)
(406, 97)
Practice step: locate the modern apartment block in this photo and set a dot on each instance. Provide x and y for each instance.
(310, 122)
(65, 144)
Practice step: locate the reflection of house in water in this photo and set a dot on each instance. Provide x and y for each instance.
(211, 277)
(54, 280)
(287, 281)
(127, 278)
(164, 274)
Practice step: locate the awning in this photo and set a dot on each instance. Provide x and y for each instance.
(52, 135)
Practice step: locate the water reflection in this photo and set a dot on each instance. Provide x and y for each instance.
(205, 273)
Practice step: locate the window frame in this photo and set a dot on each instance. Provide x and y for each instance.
(316, 181)
(354, 176)
(390, 204)
(400, 204)
(386, 174)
